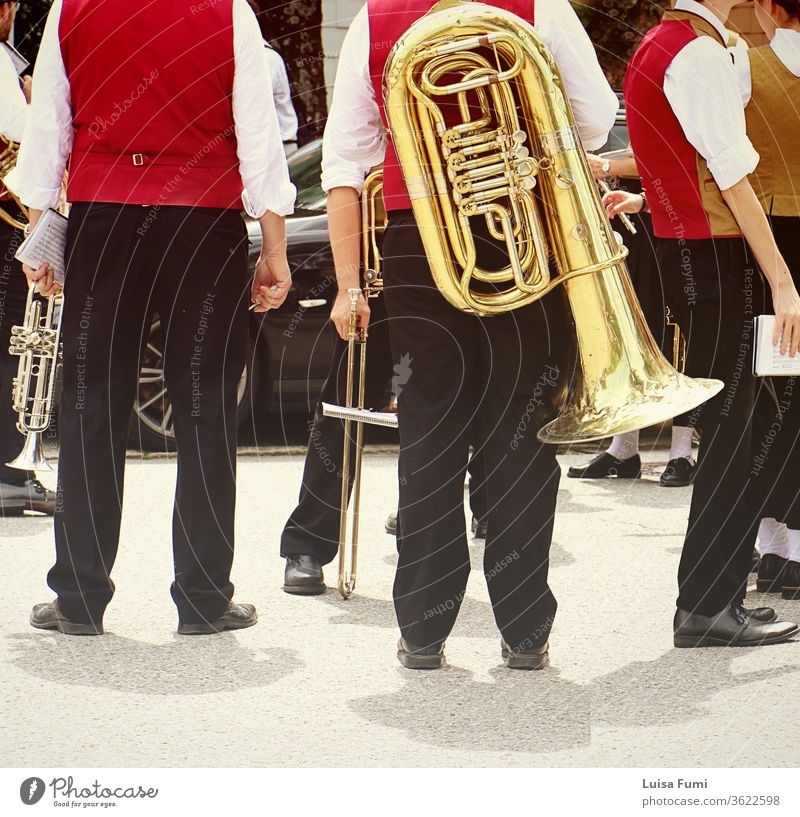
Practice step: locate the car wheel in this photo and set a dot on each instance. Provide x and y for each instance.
(153, 429)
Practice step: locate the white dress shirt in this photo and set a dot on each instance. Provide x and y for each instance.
(282, 94)
(13, 105)
(702, 88)
(355, 136)
(47, 140)
(786, 45)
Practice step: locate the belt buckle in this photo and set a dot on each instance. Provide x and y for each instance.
(138, 160)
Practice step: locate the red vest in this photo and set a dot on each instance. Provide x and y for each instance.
(151, 88)
(685, 200)
(388, 21)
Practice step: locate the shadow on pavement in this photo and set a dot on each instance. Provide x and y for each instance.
(536, 712)
(183, 666)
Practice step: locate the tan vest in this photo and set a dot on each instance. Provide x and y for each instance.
(772, 125)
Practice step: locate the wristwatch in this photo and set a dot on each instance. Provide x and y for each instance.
(606, 166)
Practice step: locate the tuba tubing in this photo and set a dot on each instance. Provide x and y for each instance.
(515, 159)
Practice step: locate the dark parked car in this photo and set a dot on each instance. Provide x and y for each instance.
(290, 348)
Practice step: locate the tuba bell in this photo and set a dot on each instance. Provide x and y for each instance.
(514, 158)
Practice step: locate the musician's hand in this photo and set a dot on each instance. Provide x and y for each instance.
(44, 278)
(27, 85)
(271, 283)
(620, 201)
(340, 313)
(787, 318)
(596, 166)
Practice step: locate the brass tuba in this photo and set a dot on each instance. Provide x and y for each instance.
(514, 158)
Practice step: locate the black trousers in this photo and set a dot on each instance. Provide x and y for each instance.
(13, 295)
(714, 289)
(776, 469)
(125, 263)
(313, 527)
(508, 373)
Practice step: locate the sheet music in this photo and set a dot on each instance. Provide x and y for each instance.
(20, 63)
(767, 360)
(46, 244)
(376, 418)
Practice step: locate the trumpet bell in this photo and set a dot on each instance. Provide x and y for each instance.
(31, 458)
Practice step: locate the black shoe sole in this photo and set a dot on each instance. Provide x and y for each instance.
(790, 593)
(709, 641)
(572, 475)
(211, 629)
(525, 661)
(412, 661)
(674, 483)
(11, 509)
(301, 590)
(768, 585)
(69, 627)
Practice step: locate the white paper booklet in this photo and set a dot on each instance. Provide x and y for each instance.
(20, 63)
(375, 418)
(767, 359)
(47, 243)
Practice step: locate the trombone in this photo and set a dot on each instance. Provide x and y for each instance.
(373, 222)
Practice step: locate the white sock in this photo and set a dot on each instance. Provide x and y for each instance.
(773, 537)
(624, 446)
(793, 545)
(681, 443)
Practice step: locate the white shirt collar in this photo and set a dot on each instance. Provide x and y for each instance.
(786, 45)
(693, 7)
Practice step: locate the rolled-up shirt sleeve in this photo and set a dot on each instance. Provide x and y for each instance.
(355, 136)
(704, 93)
(262, 162)
(593, 101)
(47, 139)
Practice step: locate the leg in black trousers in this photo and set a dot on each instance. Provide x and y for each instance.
(202, 293)
(714, 290)
(313, 527)
(120, 267)
(464, 369)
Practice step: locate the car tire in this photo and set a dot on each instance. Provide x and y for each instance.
(152, 429)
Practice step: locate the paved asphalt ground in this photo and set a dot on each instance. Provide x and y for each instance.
(316, 682)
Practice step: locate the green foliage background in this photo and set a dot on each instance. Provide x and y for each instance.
(29, 26)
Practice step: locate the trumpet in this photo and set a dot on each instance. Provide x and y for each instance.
(373, 222)
(37, 342)
(626, 221)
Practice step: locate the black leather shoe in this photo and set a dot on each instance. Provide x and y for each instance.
(679, 473)
(535, 658)
(236, 617)
(48, 617)
(303, 576)
(391, 524)
(30, 495)
(770, 573)
(604, 466)
(761, 613)
(479, 528)
(731, 627)
(791, 581)
(411, 657)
